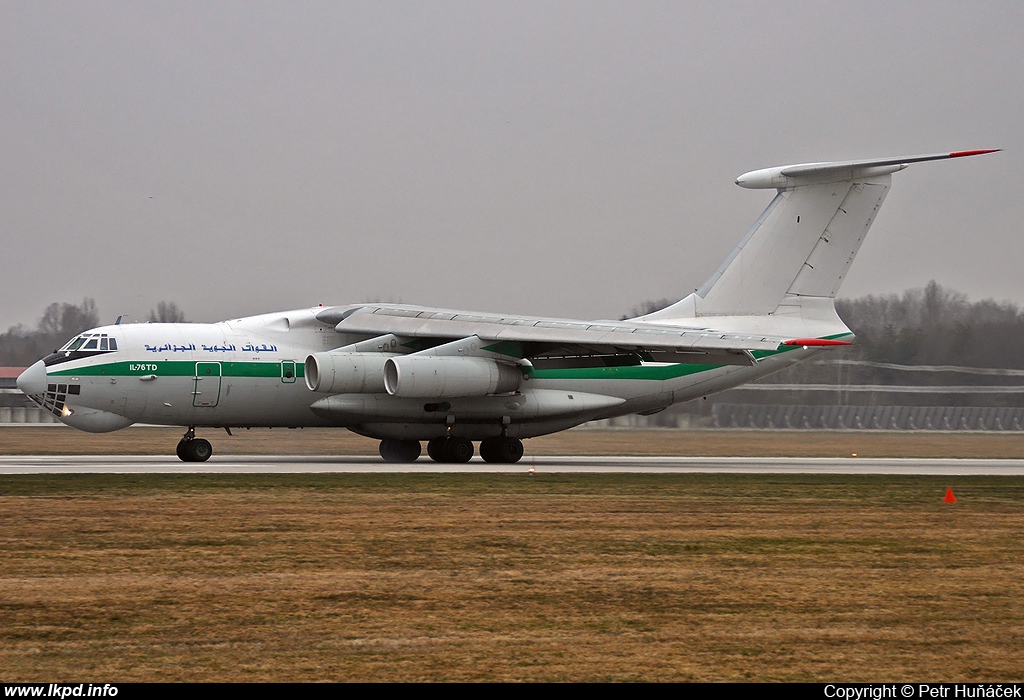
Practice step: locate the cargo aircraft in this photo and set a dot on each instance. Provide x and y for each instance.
(408, 374)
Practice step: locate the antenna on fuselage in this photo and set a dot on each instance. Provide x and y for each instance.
(117, 322)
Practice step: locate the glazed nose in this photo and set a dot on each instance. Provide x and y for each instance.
(33, 380)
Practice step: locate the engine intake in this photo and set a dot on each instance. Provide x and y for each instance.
(448, 377)
(345, 372)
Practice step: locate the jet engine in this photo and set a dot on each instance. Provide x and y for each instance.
(448, 377)
(345, 372)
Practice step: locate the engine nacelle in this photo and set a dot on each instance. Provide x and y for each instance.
(448, 377)
(346, 372)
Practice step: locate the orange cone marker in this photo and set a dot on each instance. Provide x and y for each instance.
(949, 497)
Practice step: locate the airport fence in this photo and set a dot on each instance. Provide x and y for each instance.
(796, 417)
(748, 416)
(25, 414)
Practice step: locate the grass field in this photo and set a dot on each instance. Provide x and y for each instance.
(481, 577)
(20, 440)
(510, 577)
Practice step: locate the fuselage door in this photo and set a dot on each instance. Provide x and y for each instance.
(288, 371)
(207, 384)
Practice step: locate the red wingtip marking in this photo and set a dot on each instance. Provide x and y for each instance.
(961, 154)
(816, 342)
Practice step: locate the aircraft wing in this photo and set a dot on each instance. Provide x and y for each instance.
(526, 337)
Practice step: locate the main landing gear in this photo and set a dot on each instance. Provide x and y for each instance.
(453, 450)
(193, 449)
(501, 449)
(400, 450)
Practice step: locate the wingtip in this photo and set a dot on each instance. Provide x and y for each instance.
(817, 342)
(982, 151)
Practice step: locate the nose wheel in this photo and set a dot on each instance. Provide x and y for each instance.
(193, 449)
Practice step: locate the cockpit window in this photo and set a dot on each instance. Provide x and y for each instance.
(82, 346)
(90, 341)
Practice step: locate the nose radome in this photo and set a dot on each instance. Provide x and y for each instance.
(33, 380)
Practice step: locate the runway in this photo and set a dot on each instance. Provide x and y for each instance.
(68, 464)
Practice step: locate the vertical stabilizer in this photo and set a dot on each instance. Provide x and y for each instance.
(802, 246)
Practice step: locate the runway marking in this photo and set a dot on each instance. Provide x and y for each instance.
(305, 464)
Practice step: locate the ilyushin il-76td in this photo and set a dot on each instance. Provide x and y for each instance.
(409, 374)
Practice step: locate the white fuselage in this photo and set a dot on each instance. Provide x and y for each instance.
(249, 373)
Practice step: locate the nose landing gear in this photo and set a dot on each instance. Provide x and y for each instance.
(193, 449)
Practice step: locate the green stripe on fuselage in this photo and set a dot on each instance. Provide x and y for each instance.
(179, 368)
(632, 372)
(176, 368)
(661, 372)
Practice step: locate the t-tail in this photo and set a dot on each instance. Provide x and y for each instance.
(797, 254)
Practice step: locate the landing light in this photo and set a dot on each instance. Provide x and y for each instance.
(67, 412)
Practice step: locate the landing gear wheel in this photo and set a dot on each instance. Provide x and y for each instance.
(184, 448)
(487, 450)
(501, 449)
(400, 450)
(458, 450)
(511, 450)
(435, 449)
(197, 450)
(450, 450)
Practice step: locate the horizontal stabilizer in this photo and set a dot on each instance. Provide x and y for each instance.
(786, 176)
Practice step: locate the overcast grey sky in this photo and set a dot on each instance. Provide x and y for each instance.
(554, 158)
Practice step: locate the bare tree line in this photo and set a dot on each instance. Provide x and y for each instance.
(935, 326)
(21, 345)
(932, 325)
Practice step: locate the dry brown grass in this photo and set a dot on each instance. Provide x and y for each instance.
(161, 441)
(502, 577)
